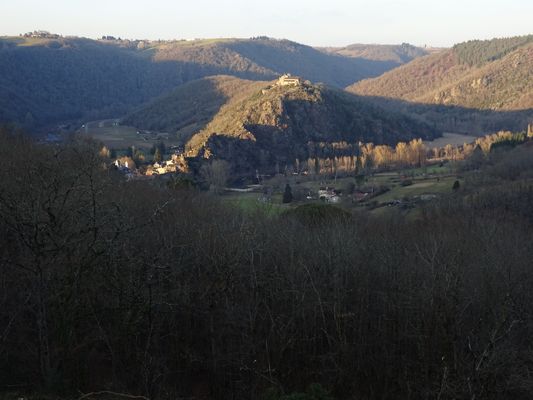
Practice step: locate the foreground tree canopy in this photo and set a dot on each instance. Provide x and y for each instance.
(167, 293)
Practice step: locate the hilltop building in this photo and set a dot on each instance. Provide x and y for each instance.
(42, 35)
(289, 80)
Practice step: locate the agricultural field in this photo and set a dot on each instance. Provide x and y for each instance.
(116, 136)
(251, 203)
(455, 139)
(428, 186)
(402, 187)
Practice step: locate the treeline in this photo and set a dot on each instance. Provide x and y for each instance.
(343, 157)
(141, 289)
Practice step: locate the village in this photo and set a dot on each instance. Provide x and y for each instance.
(403, 188)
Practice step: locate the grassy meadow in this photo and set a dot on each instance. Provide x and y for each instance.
(119, 137)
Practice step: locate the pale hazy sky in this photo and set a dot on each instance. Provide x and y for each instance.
(313, 22)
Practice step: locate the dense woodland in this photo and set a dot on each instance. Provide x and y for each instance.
(492, 75)
(278, 125)
(477, 52)
(162, 291)
(46, 81)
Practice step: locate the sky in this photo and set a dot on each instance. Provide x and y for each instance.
(313, 22)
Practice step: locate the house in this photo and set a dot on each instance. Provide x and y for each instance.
(289, 80)
(124, 164)
(329, 195)
(360, 196)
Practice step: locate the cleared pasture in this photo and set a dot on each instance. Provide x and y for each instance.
(455, 139)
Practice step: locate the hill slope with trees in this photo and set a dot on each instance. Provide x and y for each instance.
(490, 75)
(120, 289)
(279, 124)
(188, 108)
(45, 81)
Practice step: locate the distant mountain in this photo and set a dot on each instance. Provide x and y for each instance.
(278, 124)
(271, 57)
(393, 54)
(489, 75)
(47, 80)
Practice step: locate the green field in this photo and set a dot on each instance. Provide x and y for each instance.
(250, 203)
(419, 187)
(455, 139)
(119, 137)
(431, 180)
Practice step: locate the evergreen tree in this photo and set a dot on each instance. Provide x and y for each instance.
(162, 148)
(456, 186)
(138, 157)
(287, 194)
(157, 155)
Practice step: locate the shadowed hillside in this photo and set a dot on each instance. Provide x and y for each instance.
(188, 108)
(450, 118)
(44, 81)
(56, 80)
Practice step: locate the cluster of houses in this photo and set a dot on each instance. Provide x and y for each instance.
(127, 166)
(329, 195)
(162, 168)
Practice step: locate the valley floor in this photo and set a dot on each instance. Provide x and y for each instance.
(401, 189)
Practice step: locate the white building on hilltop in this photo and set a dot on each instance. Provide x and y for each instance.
(289, 80)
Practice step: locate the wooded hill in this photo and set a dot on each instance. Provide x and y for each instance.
(278, 124)
(44, 81)
(190, 107)
(489, 75)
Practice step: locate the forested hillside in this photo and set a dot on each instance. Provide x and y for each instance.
(477, 87)
(279, 124)
(488, 75)
(478, 52)
(115, 289)
(190, 107)
(43, 81)
(54, 80)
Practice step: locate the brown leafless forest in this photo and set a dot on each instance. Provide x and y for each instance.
(139, 289)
